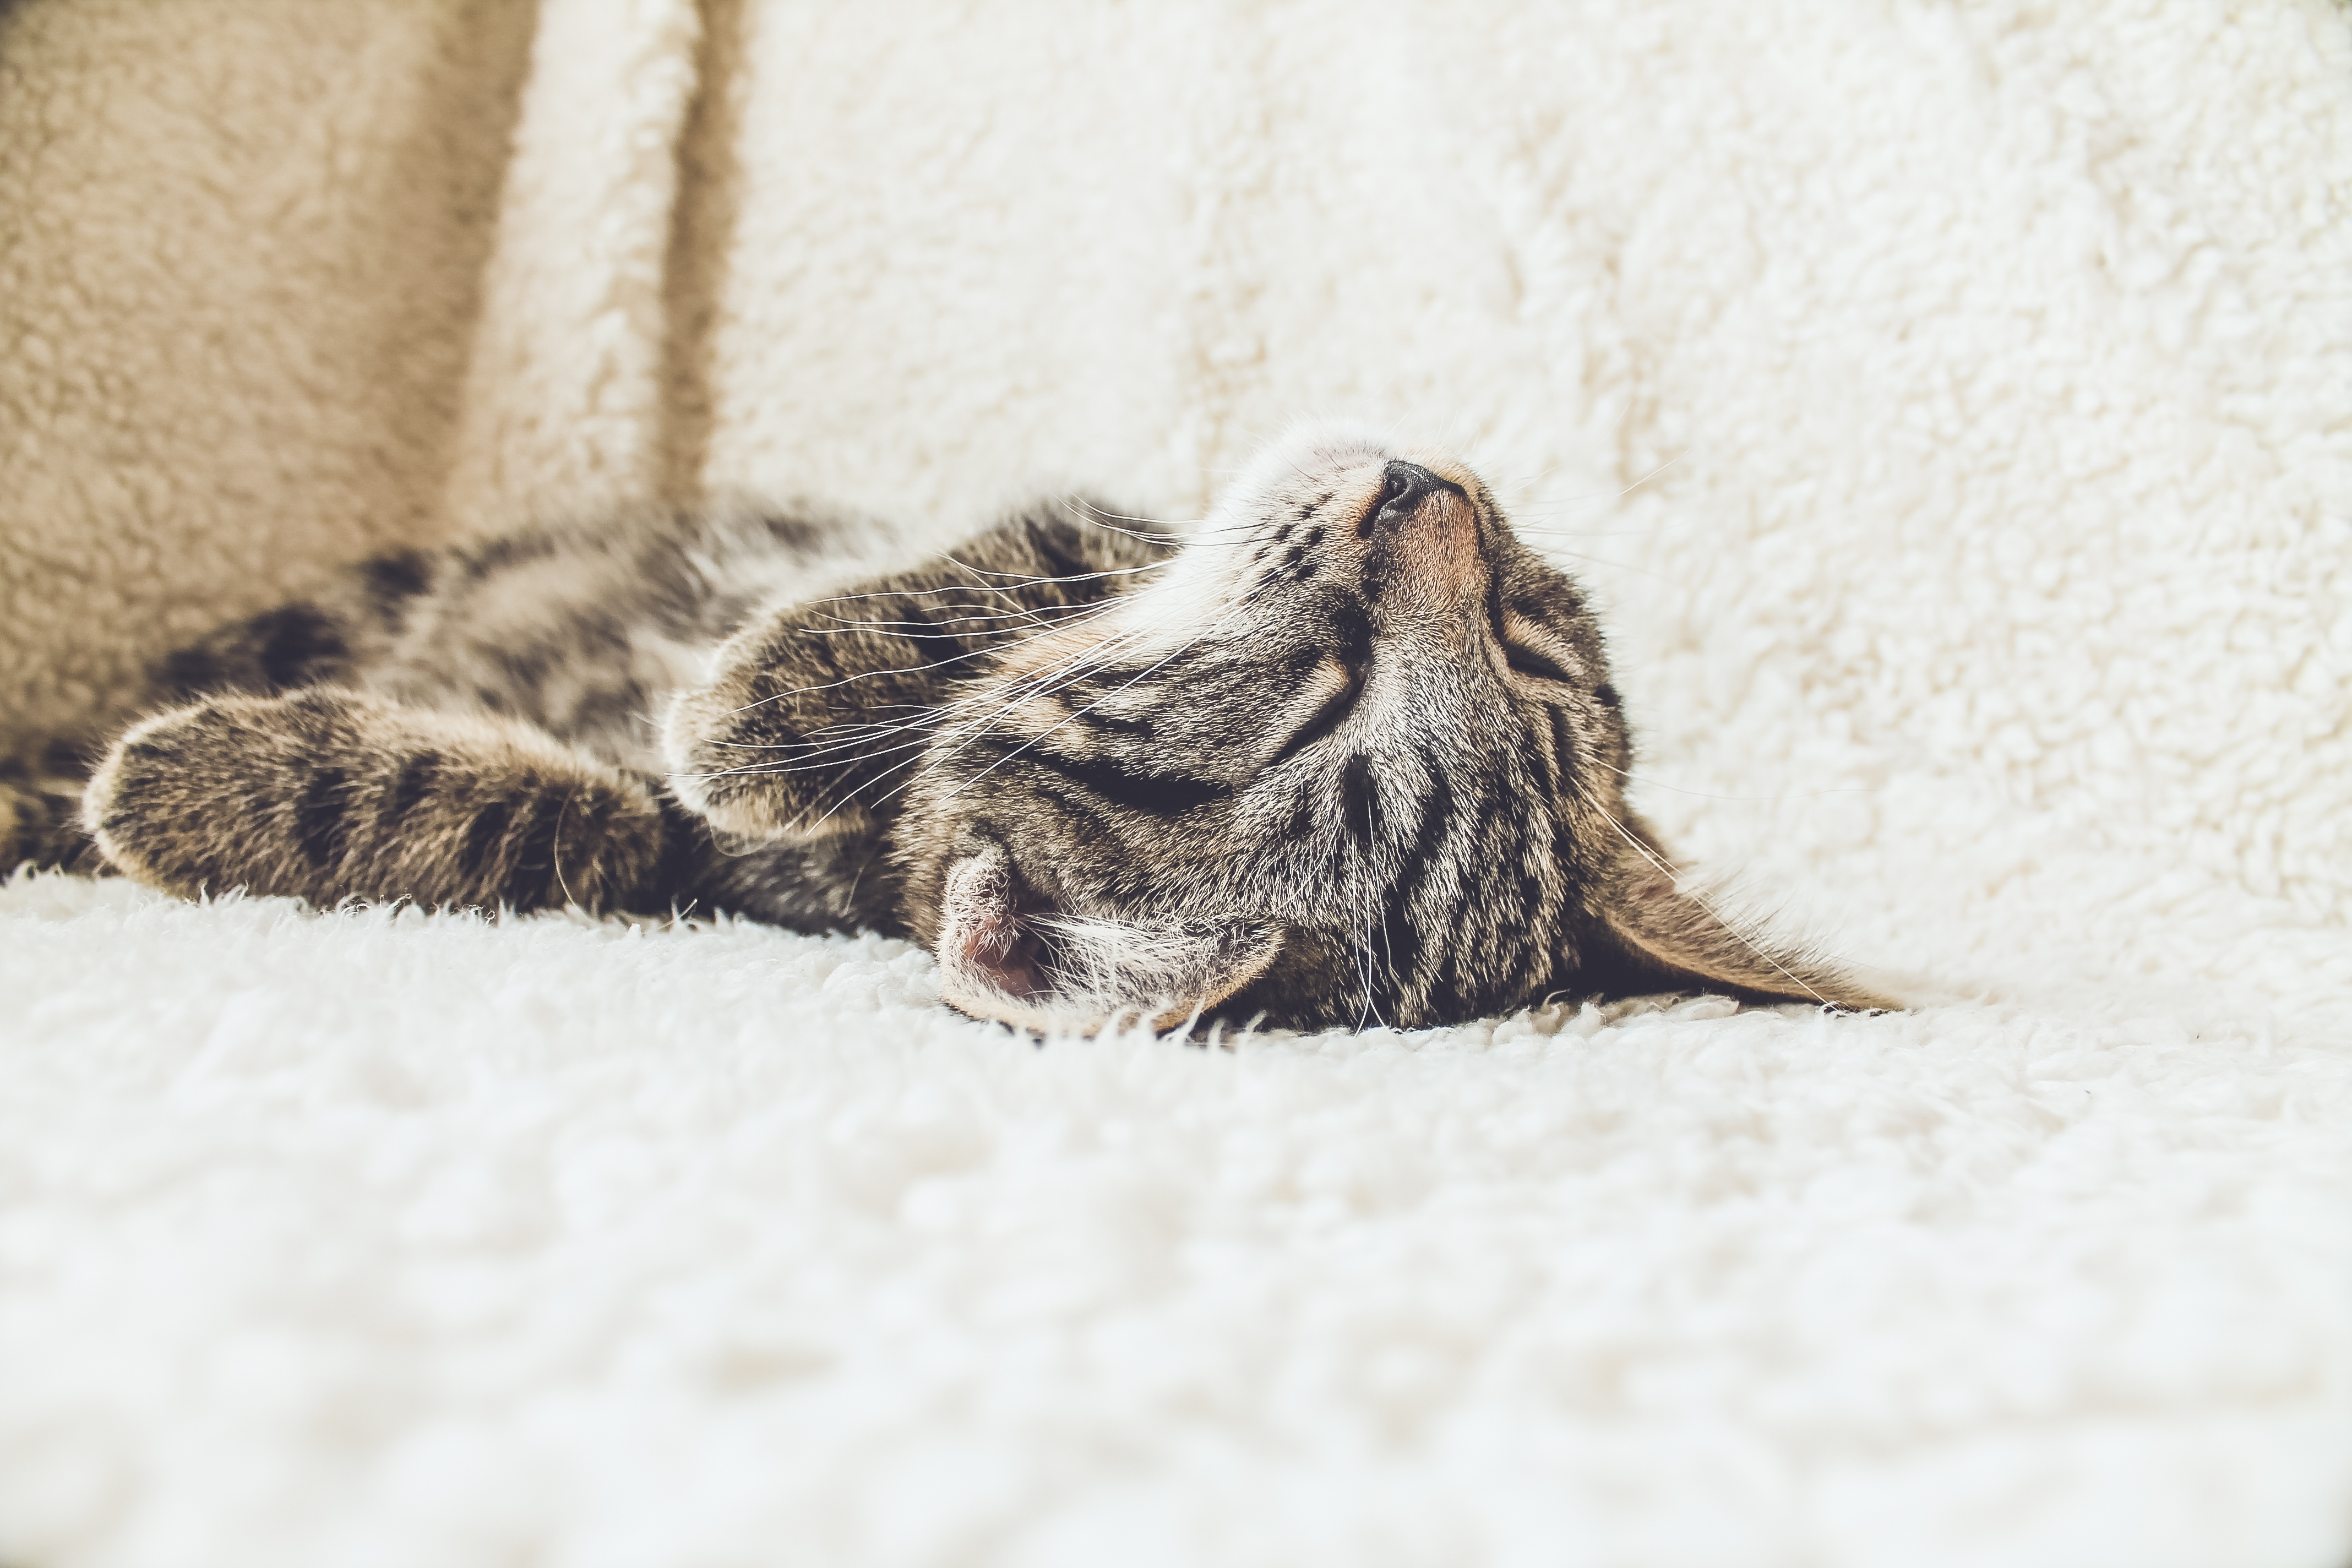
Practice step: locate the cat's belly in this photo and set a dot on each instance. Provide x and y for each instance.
(589, 634)
(607, 698)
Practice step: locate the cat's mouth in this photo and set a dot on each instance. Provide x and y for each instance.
(1008, 954)
(989, 939)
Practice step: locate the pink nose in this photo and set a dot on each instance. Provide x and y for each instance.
(1404, 485)
(1425, 527)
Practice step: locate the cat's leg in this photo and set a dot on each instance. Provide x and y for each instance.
(817, 714)
(329, 637)
(327, 793)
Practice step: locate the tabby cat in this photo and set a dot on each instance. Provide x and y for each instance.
(1347, 752)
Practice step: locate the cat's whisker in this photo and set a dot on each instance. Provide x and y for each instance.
(965, 733)
(1580, 533)
(1026, 580)
(1615, 565)
(985, 650)
(1178, 653)
(931, 627)
(1524, 506)
(860, 675)
(968, 731)
(851, 735)
(929, 718)
(555, 849)
(1749, 799)
(1046, 617)
(1071, 720)
(1074, 666)
(809, 751)
(1387, 948)
(1181, 533)
(1374, 906)
(1055, 680)
(1019, 579)
(1522, 489)
(1102, 517)
(976, 612)
(805, 764)
(1361, 956)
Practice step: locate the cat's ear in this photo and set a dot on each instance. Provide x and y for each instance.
(1005, 955)
(1676, 940)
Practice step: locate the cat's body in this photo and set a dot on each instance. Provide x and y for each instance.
(374, 732)
(1347, 754)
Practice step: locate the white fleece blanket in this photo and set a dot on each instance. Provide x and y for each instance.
(1952, 407)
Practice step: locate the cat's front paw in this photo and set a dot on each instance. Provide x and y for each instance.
(153, 806)
(738, 760)
(327, 795)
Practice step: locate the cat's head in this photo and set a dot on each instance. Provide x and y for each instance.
(1352, 755)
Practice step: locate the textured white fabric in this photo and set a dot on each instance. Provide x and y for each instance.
(1952, 407)
(239, 248)
(564, 393)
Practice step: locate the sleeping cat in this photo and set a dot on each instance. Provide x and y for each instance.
(1347, 752)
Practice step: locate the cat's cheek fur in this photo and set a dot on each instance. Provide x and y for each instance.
(1002, 959)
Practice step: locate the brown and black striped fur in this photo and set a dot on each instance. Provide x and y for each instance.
(1346, 753)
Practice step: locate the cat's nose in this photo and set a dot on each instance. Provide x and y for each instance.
(1403, 486)
(1421, 537)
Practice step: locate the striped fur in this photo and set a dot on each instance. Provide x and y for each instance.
(333, 793)
(1356, 717)
(41, 811)
(1346, 753)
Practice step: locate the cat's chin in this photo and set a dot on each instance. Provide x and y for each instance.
(1007, 957)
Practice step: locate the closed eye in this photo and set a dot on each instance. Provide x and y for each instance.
(1517, 636)
(1530, 663)
(1326, 718)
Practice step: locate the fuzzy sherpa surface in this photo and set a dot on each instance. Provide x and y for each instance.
(1948, 408)
(372, 1239)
